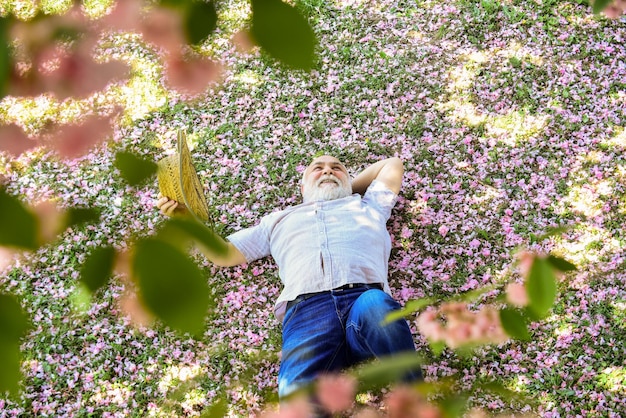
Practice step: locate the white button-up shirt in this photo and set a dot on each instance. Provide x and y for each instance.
(323, 245)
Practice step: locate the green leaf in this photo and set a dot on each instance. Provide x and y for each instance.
(97, 268)
(558, 230)
(176, 229)
(18, 226)
(80, 216)
(473, 295)
(81, 298)
(13, 327)
(384, 371)
(174, 4)
(10, 373)
(284, 33)
(217, 410)
(5, 56)
(514, 324)
(409, 308)
(134, 170)
(453, 405)
(599, 5)
(437, 347)
(541, 287)
(503, 392)
(171, 285)
(200, 21)
(13, 321)
(561, 264)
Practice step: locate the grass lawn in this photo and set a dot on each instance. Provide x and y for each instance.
(510, 117)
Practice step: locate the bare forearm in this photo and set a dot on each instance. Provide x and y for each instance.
(223, 253)
(389, 171)
(231, 257)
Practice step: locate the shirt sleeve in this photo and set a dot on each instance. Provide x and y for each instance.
(253, 242)
(380, 198)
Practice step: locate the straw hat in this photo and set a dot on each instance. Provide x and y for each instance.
(178, 180)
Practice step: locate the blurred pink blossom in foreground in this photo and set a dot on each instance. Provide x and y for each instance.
(336, 391)
(14, 141)
(615, 9)
(516, 294)
(455, 325)
(72, 141)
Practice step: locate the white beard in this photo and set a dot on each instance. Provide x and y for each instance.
(313, 192)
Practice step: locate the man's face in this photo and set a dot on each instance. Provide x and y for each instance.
(326, 178)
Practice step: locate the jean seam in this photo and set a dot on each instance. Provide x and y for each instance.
(295, 310)
(362, 340)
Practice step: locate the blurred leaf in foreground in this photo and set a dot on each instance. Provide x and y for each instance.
(599, 5)
(541, 287)
(18, 225)
(284, 33)
(97, 268)
(171, 285)
(200, 21)
(134, 170)
(514, 324)
(13, 326)
(410, 307)
(561, 264)
(381, 372)
(178, 231)
(5, 55)
(78, 216)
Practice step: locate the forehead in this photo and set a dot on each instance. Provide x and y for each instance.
(324, 160)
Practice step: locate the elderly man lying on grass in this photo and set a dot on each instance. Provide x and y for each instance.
(332, 253)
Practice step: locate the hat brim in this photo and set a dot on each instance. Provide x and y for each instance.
(178, 180)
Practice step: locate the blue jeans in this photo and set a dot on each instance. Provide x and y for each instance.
(334, 330)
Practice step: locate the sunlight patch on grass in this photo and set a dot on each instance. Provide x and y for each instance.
(516, 50)
(342, 4)
(516, 126)
(20, 9)
(248, 77)
(234, 15)
(619, 140)
(587, 247)
(582, 200)
(462, 78)
(97, 8)
(463, 111)
(117, 393)
(29, 113)
(141, 97)
(488, 194)
(613, 379)
(55, 6)
(619, 311)
(193, 399)
(174, 375)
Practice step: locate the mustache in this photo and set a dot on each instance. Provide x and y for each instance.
(327, 178)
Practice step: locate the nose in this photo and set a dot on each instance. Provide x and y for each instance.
(327, 170)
